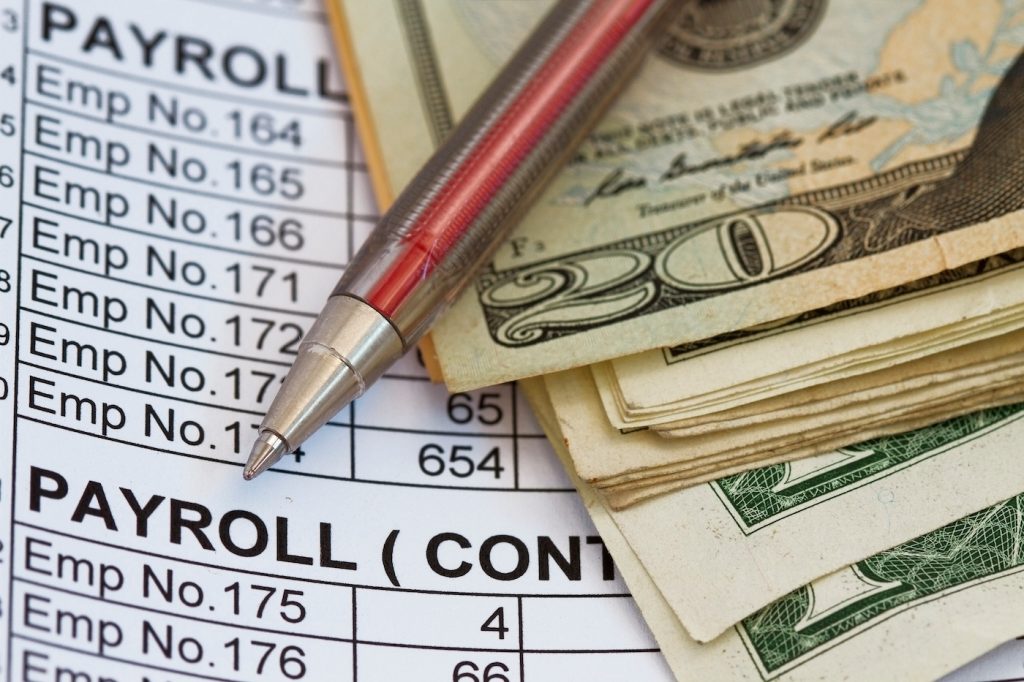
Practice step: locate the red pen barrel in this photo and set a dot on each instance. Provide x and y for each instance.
(454, 213)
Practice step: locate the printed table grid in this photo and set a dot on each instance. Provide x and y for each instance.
(188, 606)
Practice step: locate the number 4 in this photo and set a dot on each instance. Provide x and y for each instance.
(496, 623)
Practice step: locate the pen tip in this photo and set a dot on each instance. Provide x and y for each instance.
(266, 451)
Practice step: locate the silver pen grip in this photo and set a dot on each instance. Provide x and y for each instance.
(453, 214)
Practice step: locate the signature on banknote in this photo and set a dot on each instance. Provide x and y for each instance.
(620, 181)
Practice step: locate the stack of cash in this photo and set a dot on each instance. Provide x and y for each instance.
(771, 315)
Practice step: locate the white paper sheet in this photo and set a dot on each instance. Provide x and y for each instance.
(190, 187)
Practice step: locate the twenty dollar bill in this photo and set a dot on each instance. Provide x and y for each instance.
(764, 163)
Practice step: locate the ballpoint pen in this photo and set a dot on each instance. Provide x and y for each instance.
(454, 212)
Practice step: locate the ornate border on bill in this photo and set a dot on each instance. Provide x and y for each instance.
(758, 498)
(979, 548)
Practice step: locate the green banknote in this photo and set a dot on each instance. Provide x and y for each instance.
(945, 593)
(970, 551)
(719, 551)
(771, 158)
(912, 612)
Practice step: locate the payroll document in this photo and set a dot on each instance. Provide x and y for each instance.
(180, 186)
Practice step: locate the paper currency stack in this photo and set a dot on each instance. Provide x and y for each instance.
(771, 316)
